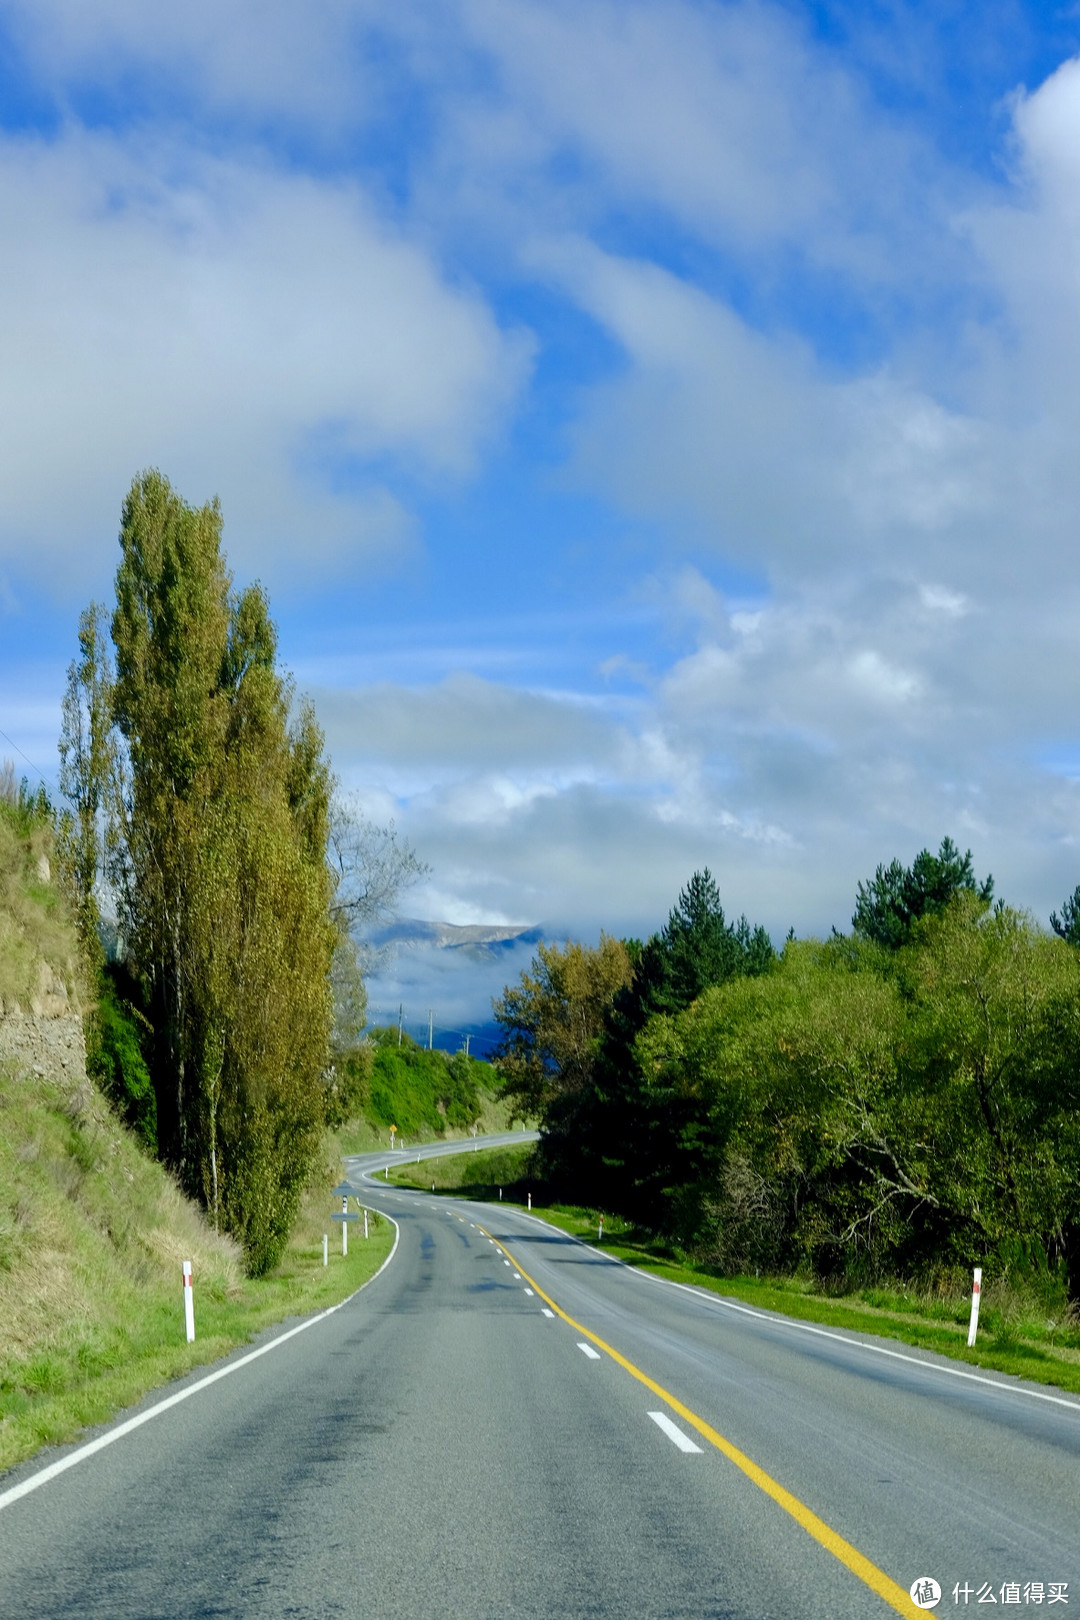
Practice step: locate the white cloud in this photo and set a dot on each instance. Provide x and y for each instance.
(729, 119)
(250, 332)
(273, 57)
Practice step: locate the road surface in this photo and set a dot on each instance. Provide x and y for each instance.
(507, 1423)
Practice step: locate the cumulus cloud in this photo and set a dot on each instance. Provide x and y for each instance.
(257, 334)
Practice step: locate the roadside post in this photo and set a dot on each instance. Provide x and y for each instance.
(189, 1302)
(325, 1256)
(530, 1200)
(976, 1295)
(344, 1190)
(393, 1133)
(600, 1233)
(365, 1223)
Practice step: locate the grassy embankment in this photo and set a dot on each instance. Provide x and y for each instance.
(1017, 1334)
(93, 1231)
(92, 1235)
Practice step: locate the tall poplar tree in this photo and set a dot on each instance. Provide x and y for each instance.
(218, 829)
(87, 771)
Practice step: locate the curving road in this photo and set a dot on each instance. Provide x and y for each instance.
(507, 1423)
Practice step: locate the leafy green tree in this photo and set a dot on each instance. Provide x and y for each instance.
(553, 1018)
(218, 808)
(889, 905)
(995, 1019)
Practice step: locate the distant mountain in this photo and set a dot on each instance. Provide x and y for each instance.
(473, 939)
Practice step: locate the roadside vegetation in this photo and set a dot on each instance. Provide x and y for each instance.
(867, 1116)
(428, 1095)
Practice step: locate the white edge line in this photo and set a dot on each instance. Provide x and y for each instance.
(25, 1486)
(707, 1297)
(674, 1433)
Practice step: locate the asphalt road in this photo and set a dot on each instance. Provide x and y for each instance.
(501, 1425)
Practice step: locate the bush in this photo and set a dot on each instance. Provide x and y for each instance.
(116, 1063)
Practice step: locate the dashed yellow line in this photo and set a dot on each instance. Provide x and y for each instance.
(852, 1559)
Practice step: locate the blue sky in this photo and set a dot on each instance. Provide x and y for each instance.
(655, 423)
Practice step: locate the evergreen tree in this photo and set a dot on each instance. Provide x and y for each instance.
(1067, 926)
(624, 1137)
(887, 908)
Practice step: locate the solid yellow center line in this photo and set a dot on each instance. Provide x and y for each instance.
(876, 1579)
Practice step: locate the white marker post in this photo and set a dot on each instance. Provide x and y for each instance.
(365, 1223)
(530, 1200)
(325, 1250)
(189, 1303)
(343, 1191)
(976, 1295)
(600, 1233)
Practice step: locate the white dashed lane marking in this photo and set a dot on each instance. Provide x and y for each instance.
(587, 1350)
(674, 1434)
(548, 1313)
(529, 1292)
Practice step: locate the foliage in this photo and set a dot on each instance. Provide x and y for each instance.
(423, 1091)
(115, 1060)
(348, 1085)
(553, 1018)
(87, 774)
(887, 908)
(901, 1101)
(863, 1121)
(622, 1136)
(214, 800)
(1067, 925)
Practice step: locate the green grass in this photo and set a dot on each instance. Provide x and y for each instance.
(1014, 1337)
(480, 1173)
(92, 1233)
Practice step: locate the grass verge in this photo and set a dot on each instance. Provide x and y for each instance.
(1014, 1338)
(92, 1234)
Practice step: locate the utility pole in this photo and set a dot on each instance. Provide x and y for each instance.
(430, 1027)
(401, 1009)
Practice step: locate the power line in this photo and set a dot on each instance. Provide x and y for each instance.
(35, 768)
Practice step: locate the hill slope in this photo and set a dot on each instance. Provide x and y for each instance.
(92, 1229)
